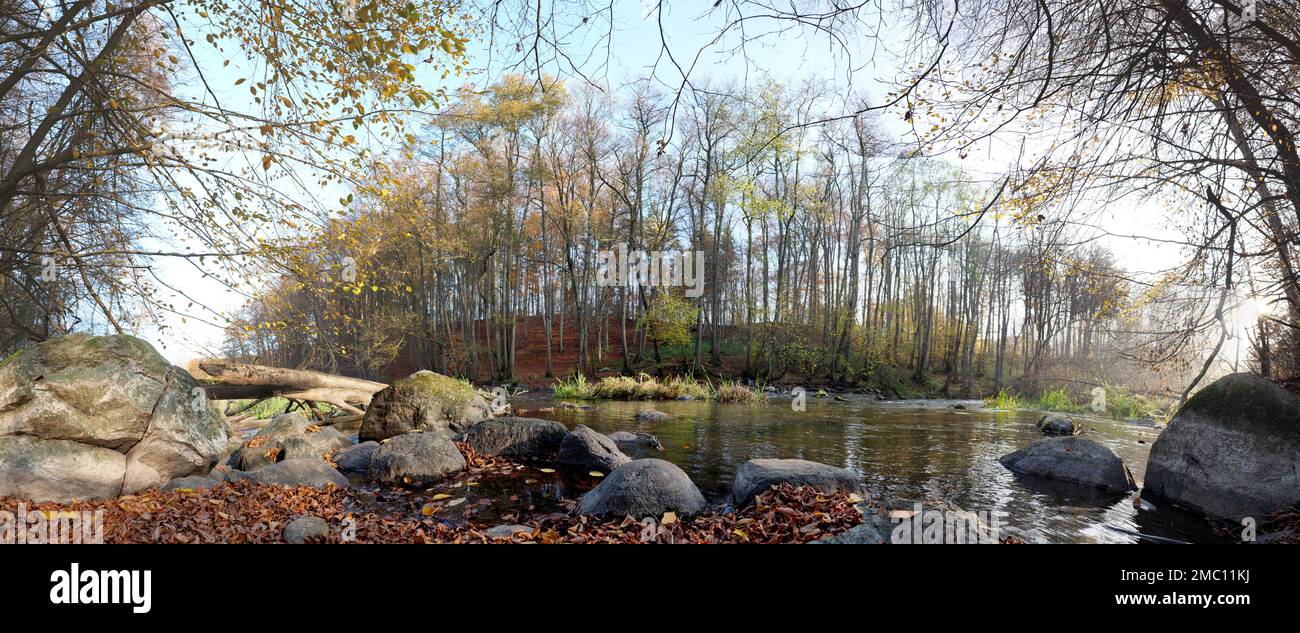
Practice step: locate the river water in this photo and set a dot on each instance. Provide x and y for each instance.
(913, 450)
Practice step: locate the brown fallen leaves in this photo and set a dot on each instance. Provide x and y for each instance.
(784, 514)
(250, 512)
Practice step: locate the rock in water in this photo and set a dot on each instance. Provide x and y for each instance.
(1072, 459)
(757, 475)
(288, 436)
(636, 444)
(651, 415)
(1057, 424)
(1232, 451)
(313, 471)
(417, 457)
(423, 401)
(305, 527)
(641, 488)
(86, 417)
(517, 437)
(585, 450)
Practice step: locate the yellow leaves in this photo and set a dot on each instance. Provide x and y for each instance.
(428, 509)
(266, 162)
(596, 473)
(440, 496)
(668, 518)
(547, 470)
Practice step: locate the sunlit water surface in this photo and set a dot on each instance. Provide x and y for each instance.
(913, 450)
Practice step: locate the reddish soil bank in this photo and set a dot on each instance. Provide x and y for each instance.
(530, 353)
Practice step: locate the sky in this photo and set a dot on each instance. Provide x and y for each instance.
(864, 69)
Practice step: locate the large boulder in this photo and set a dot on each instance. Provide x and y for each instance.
(423, 401)
(586, 450)
(85, 417)
(757, 475)
(645, 487)
(1057, 424)
(1233, 450)
(288, 436)
(415, 457)
(313, 471)
(1074, 460)
(517, 437)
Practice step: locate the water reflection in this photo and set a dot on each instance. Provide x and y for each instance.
(911, 450)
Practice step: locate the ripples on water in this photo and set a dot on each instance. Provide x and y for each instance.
(912, 450)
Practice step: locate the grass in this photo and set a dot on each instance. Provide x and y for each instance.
(1057, 400)
(646, 387)
(1120, 404)
(1003, 401)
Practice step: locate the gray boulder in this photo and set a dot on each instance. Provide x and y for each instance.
(1233, 450)
(193, 482)
(587, 450)
(527, 438)
(506, 531)
(304, 527)
(416, 457)
(1072, 459)
(757, 475)
(1057, 424)
(651, 415)
(636, 444)
(314, 472)
(86, 417)
(645, 487)
(356, 458)
(288, 436)
(423, 401)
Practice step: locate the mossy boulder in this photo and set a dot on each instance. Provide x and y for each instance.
(85, 417)
(1233, 450)
(423, 401)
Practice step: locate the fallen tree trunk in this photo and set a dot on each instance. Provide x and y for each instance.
(237, 381)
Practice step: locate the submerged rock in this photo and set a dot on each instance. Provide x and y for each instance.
(1074, 460)
(86, 417)
(517, 437)
(638, 443)
(585, 449)
(641, 488)
(1233, 450)
(417, 457)
(651, 415)
(423, 401)
(757, 475)
(1057, 424)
